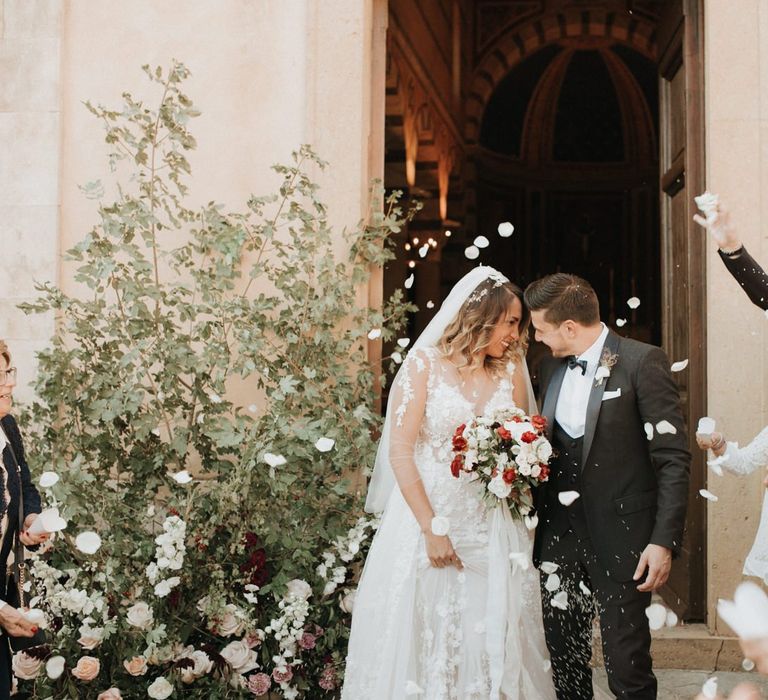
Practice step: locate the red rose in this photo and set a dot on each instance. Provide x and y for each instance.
(544, 473)
(457, 465)
(509, 476)
(539, 422)
(503, 433)
(528, 436)
(460, 430)
(517, 419)
(459, 443)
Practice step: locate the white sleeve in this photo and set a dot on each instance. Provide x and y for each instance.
(745, 460)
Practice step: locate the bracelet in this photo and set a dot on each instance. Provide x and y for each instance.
(735, 252)
(440, 526)
(716, 445)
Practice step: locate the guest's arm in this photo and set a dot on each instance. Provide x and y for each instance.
(30, 493)
(748, 274)
(738, 460)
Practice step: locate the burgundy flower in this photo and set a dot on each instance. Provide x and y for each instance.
(307, 641)
(456, 465)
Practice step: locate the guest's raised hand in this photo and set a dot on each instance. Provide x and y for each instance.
(717, 222)
(657, 560)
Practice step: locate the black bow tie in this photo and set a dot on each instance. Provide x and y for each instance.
(573, 363)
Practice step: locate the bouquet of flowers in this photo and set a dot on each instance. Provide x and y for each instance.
(507, 452)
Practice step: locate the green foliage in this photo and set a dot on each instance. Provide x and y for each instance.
(182, 308)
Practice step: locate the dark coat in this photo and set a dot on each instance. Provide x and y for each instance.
(634, 491)
(748, 274)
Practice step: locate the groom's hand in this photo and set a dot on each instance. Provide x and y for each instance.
(658, 561)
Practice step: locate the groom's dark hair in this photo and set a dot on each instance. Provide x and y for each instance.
(564, 297)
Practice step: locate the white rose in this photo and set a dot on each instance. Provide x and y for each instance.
(54, 667)
(535, 471)
(471, 457)
(90, 638)
(26, 667)
(330, 587)
(299, 589)
(202, 664)
(483, 433)
(87, 668)
(140, 615)
(525, 469)
(229, 622)
(163, 588)
(160, 689)
(499, 488)
(347, 603)
(544, 450)
(240, 656)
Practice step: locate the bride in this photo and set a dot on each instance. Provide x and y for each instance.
(448, 605)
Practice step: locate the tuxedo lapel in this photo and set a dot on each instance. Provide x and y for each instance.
(551, 396)
(596, 400)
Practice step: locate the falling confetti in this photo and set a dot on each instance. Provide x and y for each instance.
(374, 333)
(567, 497)
(403, 342)
(657, 616)
(482, 242)
(552, 583)
(708, 495)
(48, 479)
(709, 689)
(409, 282)
(472, 253)
(274, 460)
(648, 430)
(706, 425)
(748, 665)
(520, 559)
(531, 521)
(679, 366)
(397, 358)
(671, 619)
(549, 567)
(430, 304)
(664, 427)
(424, 250)
(324, 444)
(633, 302)
(253, 407)
(621, 322)
(747, 613)
(182, 477)
(88, 542)
(547, 665)
(584, 589)
(506, 229)
(560, 600)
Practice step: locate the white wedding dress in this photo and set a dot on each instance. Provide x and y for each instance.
(444, 634)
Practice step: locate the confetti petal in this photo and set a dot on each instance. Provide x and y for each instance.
(747, 613)
(520, 559)
(657, 616)
(374, 333)
(472, 252)
(324, 444)
(633, 302)
(397, 358)
(706, 425)
(182, 477)
(567, 497)
(709, 689)
(664, 427)
(552, 583)
(88, 542)
(708, 495)
(274, 460)
(679, 366)
(424, 250)
(549, 567)
(482, 242)
(531, 521)
(253, 408)
(506, 229)
(430, 304)
(584, 589)
(672, 619)
(48, 479)
(403, 342)
(648, 430)
(547, 665)
(409, 282)
(748, 665)
(621, 322)
(560, 600)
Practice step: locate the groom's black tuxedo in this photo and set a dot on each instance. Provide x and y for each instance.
(632, 491)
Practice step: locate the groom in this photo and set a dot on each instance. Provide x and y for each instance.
(611, 516)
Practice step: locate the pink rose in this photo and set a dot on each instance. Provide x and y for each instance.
(307, 641)
(283, 676)
(137, 666)
(110, 694)
(259, 683)
(87, 668)
(25, 667)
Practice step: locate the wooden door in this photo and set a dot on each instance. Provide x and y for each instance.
(681, 161)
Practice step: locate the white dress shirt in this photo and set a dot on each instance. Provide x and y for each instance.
(571, 410)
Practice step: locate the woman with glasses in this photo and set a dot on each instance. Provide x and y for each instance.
(16, 487)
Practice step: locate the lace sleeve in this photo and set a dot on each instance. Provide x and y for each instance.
(408, 403)
(745, 460)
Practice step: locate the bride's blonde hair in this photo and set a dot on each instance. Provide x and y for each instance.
(470, 332)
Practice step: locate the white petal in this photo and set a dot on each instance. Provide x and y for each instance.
(325, 444)
(54, 667)
(560, 600)
(584, 589)
(520, 559)
(397, 358)
(709, 689)
(374, 333)
(708, 495)
(664, 427)
(482, 242)
(633, 302)
(48, 479)
(412, 688)
(549, 567)
(766, 313)
(88, 542)
(547, 665)
(274, 460)
(679, 366)
(567, 497)
(182, 477)
(472, 253)
(531, 521)
(253, 408)
(672, 619)
(506, 229)
(424, 250)
(747, 613)
(552, 583)
(621, 322)
(403, 342)
(430, 304)
(409, 282)
(748, 665)
(648, 431)
(706, 425)
(657, 616)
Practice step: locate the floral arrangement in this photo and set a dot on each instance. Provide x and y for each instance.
(205, 417)
(507, 453)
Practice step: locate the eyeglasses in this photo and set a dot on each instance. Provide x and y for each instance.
(7, 375)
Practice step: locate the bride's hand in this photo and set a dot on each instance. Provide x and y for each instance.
(440, 551)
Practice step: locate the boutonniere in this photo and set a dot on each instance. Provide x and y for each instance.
(607, 361)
